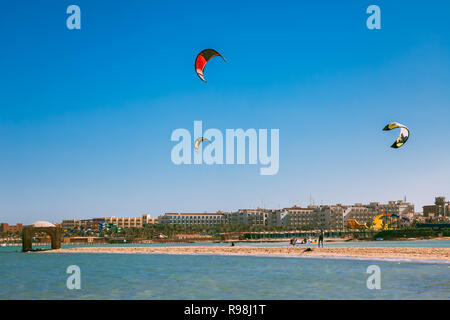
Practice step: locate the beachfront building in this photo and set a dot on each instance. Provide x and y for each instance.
(121, 222)
(316, 217)
(4, 227)
(399, 207)
(255, 217)
(326, 217)
(130, 222)
(236, 217)
(88, 224)
(362, 214)
(334, 217)
(278, 217)
(189, 219)
(252, 217)
(295, 217)
(331, 217)
(440, 209)
(300, 218)
(71, 224)
(365, 213)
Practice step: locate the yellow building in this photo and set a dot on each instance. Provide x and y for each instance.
(71, 224)
(131, 222)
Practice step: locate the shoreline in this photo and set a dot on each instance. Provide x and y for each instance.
(405, 253)
(332, 240)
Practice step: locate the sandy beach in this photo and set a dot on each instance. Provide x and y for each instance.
(355, 252)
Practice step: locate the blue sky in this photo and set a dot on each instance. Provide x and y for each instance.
(86, 115)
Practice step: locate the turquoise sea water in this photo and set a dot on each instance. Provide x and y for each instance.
(143, 276)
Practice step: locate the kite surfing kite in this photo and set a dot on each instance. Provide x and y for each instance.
(202, 59)
(198, 141)
(404, 133)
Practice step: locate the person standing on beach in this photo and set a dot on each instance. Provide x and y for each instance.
(320, 238)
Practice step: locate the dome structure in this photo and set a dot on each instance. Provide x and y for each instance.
(42, 224)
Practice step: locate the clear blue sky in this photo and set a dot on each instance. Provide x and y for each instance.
(86, 115)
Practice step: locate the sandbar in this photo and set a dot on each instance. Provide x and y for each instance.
(442, 254)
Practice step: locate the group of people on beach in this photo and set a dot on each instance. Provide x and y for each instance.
(294, 241)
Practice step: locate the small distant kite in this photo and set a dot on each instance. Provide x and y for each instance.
(198, 141)
(404, 133)
(202, 59)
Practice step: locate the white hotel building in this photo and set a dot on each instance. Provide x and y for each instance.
(188, 219)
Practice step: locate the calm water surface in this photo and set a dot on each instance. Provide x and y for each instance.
(143, 276)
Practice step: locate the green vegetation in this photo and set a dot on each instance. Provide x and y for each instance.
(10, 234)
(446, 232)
(150, 231)
(407, 233)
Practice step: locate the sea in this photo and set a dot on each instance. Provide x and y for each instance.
(37, 275)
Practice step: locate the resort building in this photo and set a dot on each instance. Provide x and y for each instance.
(299, 218)
(4, 227)
(79, 224)
(71, 224)
(332, 217)
(362, 214)
(88, 224)
(440, 209)
(130, 222)
(121, 222)
(253, 217)
(365, 214)
(315, 217)
(188, 219)
(277, 217)
(335, 217)
(234, 218)
(399, 207)
(326, 217)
